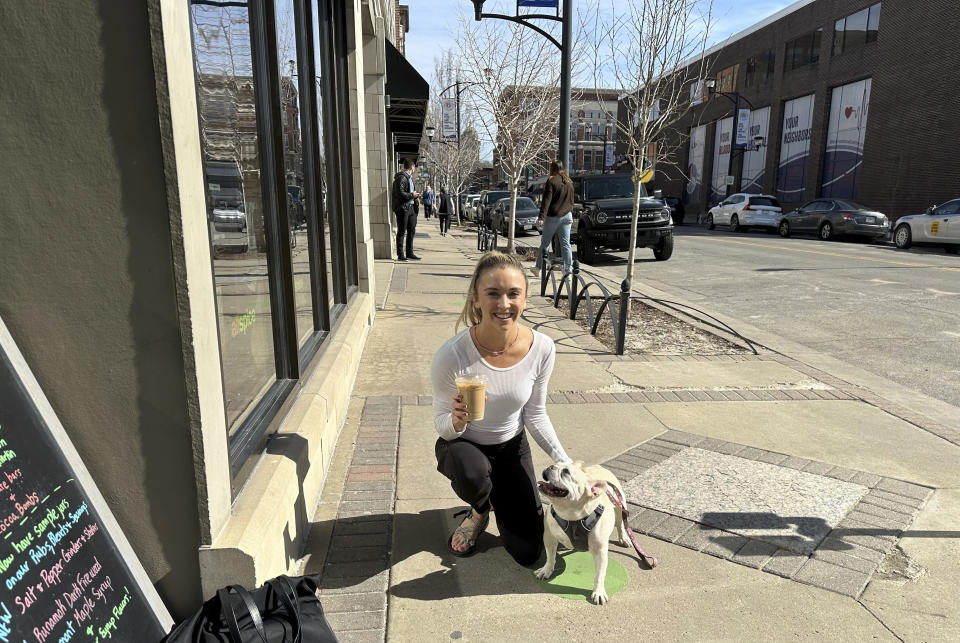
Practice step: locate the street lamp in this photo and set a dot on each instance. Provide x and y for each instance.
(565, 46)
(735, 98)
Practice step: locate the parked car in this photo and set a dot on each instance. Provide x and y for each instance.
(470, 211)
(677, 211)
(742, 211)
(488, 199)
(939, 226)
(602, 211)
(526, 216)
(831, 218)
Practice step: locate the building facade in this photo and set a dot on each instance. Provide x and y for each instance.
(593, 136)
(846, 104)
(190, 231)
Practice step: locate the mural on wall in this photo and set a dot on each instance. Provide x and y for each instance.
(721, 158)
(693, 194)
(843, 155)
(754, 161)
(794, 148)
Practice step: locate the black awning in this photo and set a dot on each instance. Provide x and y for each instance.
(409, 94)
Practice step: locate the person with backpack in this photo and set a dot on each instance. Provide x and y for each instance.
(404, 196)
(444, 210)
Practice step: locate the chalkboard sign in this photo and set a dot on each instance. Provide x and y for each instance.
(67, 573)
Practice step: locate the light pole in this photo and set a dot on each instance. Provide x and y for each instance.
(566, 21)
(735, 98)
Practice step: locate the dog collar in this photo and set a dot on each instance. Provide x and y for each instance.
(578, 530)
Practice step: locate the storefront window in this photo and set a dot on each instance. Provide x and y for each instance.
(235, 212)
(291, 110)
(274, 128)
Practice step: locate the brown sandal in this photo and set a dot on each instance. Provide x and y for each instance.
(469, 533)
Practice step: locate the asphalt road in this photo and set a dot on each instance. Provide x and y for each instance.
(891, 312)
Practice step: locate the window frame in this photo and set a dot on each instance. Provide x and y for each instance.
(293, 362)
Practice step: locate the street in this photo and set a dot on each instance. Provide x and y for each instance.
(893, 313)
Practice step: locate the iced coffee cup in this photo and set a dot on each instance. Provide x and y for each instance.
(473, 388)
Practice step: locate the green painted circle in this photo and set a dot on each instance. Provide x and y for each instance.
(573, 577)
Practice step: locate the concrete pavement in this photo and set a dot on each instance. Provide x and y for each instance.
(788, 503)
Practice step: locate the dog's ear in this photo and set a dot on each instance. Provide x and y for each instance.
(597, 488)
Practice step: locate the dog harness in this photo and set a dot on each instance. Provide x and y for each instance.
(578, 530)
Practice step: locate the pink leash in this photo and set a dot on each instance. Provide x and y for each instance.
(651, 561)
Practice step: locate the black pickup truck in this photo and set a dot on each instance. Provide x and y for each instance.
(601, 217)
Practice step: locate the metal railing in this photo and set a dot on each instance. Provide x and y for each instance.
(486, 238)
(616, 305)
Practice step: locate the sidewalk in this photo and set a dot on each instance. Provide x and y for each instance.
(790, 503)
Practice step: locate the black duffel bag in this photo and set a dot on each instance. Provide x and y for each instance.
(282, 610)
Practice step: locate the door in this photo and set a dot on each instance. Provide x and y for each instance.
(946, 222)
(810, 216)
(734, 205)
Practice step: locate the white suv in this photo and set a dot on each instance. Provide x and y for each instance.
(741, 211)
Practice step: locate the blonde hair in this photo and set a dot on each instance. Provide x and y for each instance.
(489, 261)
(556, 167)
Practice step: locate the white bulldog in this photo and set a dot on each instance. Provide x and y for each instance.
(582, 517)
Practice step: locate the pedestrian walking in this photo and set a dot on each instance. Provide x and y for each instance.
(428, 200)
(405, 208)
(556, 214)
(488, 461)
(444, 210)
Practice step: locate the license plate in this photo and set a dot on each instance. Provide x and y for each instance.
(528, 227)
(871, 220)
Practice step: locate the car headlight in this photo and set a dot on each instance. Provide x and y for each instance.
(601, 217)
(665, 213)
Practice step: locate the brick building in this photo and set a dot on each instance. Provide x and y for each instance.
(852, 100)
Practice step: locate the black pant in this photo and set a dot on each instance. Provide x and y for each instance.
(406, 226)
(427, 209)
(444, 223)
(501, 475)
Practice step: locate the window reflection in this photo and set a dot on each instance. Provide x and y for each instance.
(290, 111)
(228, 134)
(320, 44)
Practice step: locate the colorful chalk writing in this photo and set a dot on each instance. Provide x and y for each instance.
(61, 576)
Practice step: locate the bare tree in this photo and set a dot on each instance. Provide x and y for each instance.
(518, 102)
(457, 160)
(654, 50)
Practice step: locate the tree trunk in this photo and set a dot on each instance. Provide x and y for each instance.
(513, 214)
(632, 252)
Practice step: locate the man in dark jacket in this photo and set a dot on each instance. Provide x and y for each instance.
(405, 207)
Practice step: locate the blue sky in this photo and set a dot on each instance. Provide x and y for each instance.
(433, 23)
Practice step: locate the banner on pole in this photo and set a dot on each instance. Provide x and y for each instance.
(608, 156)
(448, 117)
(743, 127)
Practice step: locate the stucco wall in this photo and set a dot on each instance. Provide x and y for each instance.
(86, 284)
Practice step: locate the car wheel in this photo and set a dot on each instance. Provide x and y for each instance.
(586, 251)
(735, 224)
(664, 249)
(903, 237)
(710, 225)
(826, 232)
(784, 229)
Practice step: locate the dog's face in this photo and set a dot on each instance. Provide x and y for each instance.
(568, 484)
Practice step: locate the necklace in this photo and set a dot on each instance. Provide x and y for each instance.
(476, 338)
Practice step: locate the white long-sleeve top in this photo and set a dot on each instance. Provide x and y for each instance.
(516, 395)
